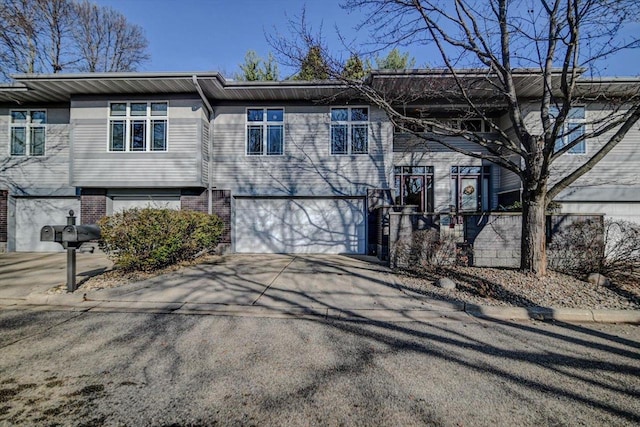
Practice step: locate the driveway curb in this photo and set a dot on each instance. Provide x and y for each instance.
(431, 312)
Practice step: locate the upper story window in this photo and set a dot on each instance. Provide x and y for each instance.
(138, 126)
(28, 132)
(350, 130)
(265, 131)
(574, 127)
(470, 124)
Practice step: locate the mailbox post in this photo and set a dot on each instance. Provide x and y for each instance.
(71, 257)
(71, 237)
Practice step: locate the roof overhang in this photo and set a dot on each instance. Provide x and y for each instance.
(405, 87)
(52, 88)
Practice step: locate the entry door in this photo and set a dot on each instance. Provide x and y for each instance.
(415, 190)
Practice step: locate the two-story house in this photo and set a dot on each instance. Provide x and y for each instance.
(291, 167)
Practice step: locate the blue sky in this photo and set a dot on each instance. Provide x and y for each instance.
(203, 35)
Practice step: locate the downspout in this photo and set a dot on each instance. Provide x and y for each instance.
(210, 117)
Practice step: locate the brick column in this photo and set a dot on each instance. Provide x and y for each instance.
(4, 197)
(222, 208)
(93, 205)
(198, 200)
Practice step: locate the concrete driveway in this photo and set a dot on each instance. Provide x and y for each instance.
(256, 284)
(319, 284)
(25, 273)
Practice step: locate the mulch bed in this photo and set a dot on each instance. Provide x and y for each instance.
(508, 287)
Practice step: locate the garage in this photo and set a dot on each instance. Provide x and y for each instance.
(300, 225)
(124, 200)
(628, 211)
(31, 214)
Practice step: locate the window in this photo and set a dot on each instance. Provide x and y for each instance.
(414, 186)
(470, 124)
(265, 131)
(470, 188)
(28, 132)
(138, 126)
(574, 127)
(350, 130)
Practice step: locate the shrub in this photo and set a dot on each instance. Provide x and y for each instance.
(577, 249)
(622, 249)
(149, 239)
(584, 247)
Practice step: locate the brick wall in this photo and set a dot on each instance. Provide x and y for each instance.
(488, 240)
(197, 200)
(194, 200)
(4, 195)
(221, 206)
(93, 205)
(495, 237)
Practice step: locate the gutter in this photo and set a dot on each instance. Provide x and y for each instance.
(210, 117)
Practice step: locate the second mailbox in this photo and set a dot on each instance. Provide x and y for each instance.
(80, 233)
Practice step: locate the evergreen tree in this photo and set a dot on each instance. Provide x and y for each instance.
(313, 66)
(255, 68)
(355, 69)
(395, 61)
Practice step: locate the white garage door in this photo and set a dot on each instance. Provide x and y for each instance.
(33, 214)
(329, 226)
(121, 203)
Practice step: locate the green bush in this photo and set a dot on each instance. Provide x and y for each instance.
(149, 239)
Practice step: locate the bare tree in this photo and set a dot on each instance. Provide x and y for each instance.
(105, 41)
(51, 36)
(489, 48)
(19, 41)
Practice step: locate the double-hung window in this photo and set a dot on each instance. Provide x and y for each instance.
(138, 126)
(349, 130)
(265, 131)
(574, 127)
(28, 132)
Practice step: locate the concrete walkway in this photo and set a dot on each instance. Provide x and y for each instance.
(330, 286)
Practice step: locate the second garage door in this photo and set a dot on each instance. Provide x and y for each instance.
(299, 225)
(33, 214)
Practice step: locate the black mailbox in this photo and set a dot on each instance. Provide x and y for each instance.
(51, 233)
(77, 234)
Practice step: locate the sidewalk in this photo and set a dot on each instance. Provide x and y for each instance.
(331, 287)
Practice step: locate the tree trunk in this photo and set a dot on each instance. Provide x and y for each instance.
(533, 256)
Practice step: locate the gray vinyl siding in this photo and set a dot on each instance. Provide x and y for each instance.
(509, 181)
(307, 168)
(411, 151)
(614, 178)
(204, 125)
(94, 166)
(38, 175)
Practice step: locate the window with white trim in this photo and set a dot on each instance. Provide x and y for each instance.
(138, 126)
(349, 130)
(28, 132)
(574, 128)
(265, 131)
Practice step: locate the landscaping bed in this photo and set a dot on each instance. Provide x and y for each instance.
(508, 287)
